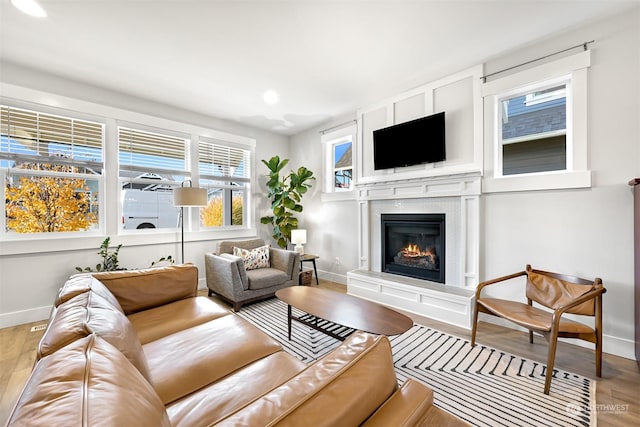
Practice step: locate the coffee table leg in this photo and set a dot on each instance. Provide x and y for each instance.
(289, 320)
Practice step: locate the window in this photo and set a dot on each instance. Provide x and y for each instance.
(338, 163)
(534, 130)
(536, 122)
(52, 169)
(225, 170)
(342, 166)
(151, 164)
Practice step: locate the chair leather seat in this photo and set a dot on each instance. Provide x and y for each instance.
(531, 317)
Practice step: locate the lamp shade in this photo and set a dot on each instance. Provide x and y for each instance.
(299, 237)
(189, 196)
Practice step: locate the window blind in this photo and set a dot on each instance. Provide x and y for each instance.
(223, 161)
(144, 152)
(39, 137)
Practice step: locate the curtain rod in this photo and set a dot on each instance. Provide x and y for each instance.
(583, 45)
(348, 122)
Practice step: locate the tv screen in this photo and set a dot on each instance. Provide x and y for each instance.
(410, 143)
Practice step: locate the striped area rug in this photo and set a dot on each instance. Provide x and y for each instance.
(482, 385)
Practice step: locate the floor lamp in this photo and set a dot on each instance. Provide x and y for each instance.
(187, 197)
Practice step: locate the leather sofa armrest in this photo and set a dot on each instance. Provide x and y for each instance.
(406, 407)
(412, 405)
(225, 275)
(284, 260)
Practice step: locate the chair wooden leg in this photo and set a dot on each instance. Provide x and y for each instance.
(210, 292)
(599, 353)
(475, 326)
(551, 359)
(530, 336)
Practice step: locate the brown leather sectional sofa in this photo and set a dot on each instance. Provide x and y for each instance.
(140, 348)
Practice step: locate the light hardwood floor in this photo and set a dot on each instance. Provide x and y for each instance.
(616, 396)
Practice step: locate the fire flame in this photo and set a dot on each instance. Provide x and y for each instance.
(413, 250)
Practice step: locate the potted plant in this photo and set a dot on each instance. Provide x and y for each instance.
(285, 194)
(110, 260)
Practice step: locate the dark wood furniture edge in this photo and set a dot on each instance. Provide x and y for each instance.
(236, 305)
(635, 183)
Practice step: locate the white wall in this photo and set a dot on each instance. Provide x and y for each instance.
(31, 271)
(588, 233)
(584, 232)
(332, 226)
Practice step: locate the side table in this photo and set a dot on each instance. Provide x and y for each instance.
(312, 259)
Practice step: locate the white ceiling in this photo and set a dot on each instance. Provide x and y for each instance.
(324, 58)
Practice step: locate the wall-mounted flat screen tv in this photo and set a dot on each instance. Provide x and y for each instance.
(410, 143)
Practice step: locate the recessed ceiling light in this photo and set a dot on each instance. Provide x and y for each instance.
(30, 7)
(270, 96)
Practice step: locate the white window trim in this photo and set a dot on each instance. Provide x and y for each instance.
(533, 99)
(329, 140)
(9, 239)
(574, 68)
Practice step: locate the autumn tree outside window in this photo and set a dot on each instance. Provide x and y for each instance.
(52, 167)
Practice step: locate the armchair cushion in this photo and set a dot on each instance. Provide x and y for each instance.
(262, 278)
(253, 258)
(226, 246)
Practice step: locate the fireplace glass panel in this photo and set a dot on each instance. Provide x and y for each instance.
(413, 245)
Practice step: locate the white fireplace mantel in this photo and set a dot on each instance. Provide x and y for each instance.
(455, 195)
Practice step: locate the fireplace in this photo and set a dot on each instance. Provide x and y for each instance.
(414, 245)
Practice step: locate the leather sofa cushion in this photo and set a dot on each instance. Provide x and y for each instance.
(159, 322)
(88, 383)
(89, 313)
(531, 317)
(81, 283)
(353, 381)
(220, 399)
(189, 360)
(138, 290)
(262, 278)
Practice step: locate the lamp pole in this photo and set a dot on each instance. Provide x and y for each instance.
(182, 232)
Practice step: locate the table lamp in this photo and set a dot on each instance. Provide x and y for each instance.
(299, 238)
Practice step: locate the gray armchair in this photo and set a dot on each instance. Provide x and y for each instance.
(228, 279)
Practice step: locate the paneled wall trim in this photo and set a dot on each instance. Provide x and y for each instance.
(458, 95)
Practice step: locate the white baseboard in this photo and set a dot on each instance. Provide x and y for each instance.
(202, 283)
(25, 316)
(333, 277)
(610, 344)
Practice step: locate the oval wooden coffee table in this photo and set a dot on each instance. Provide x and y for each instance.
(343, 309)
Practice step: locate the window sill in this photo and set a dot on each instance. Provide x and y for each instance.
(539, 181)
(47, 244)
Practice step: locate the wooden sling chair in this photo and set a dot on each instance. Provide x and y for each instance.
(558, 292)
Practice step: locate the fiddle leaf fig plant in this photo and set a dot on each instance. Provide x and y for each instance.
(285, 194)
